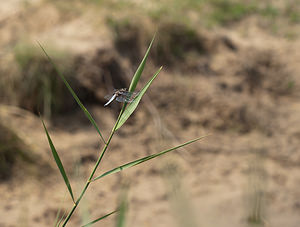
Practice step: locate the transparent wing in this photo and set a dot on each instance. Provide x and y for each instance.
(129, 94)
(124, 99)
(108, 97)
(121, 99)
(111, 94)
(126, 96)
(121, 95)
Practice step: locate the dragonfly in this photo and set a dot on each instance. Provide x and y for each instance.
(121, 95)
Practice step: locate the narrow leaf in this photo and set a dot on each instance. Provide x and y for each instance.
(133, 105)
(88, 115)
(123, 207)
(61, 219)
(98, 219)
(57, 221)
(140, 69)
(144, 159)
(58, 162)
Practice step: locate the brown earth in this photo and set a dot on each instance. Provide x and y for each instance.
(239, 84)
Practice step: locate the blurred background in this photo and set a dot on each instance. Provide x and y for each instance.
(231, 69)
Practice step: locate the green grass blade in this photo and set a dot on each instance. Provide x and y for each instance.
(56, 223)
(123, 207)
(88, 115)
(133, 105)
(61, 219)
(98, 219)
(144, 159)
(58, 162)
(140, 69)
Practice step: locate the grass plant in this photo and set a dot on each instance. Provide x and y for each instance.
(124, 114)
(256, 194)
(39, 89)
(180, 203)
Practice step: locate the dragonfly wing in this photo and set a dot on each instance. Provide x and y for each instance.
(134, 94)
(111, 99)
(131, 97)
(121, 95)
(108, 97)
(121, 98)
(128, 97)
(127, 93)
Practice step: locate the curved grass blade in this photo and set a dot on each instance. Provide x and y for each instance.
(144, 159)
(98, 219)
(133, 105)
(140, 69)
(88, 115)
(58, 162)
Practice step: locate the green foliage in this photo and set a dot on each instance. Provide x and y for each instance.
(123, 206)
(230, 11)
(292, 12)
(139, 71)
(58, 162)
(86, 112)
(123, 116)
(172, 10)
(144, 159)
(132, 106)
(178, 197)
(269, 11)
(99, 219)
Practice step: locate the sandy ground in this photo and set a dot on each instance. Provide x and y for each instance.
(238, 92)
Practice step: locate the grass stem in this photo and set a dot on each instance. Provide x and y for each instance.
(95, 168)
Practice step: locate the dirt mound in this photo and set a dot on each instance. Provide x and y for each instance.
(12, 150)
(223, 70)
(16, 151)
(178, 47)
(265, 70)
(100, 73)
